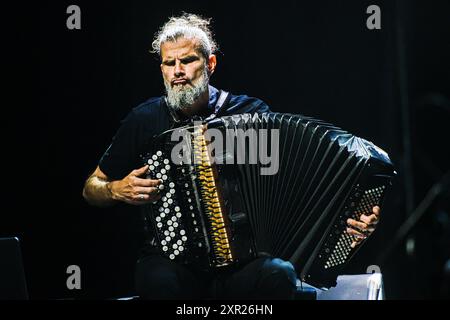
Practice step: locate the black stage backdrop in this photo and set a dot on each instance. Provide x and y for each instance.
(316, 58)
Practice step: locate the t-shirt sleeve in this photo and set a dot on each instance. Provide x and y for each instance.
(121, 157)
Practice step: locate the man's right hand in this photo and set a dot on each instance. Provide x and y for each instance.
(135, 190)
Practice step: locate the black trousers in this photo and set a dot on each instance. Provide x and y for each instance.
(264, 278)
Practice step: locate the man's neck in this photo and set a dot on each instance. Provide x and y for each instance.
(197, 106)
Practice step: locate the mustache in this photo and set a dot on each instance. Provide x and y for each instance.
(175, 80)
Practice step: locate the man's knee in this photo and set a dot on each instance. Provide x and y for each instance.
(280, 269)
(277, 279)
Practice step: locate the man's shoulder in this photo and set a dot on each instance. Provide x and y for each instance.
(152, 108)
(148, 107)
(242, 103)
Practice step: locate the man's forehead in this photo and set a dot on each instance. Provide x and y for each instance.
(179, 48)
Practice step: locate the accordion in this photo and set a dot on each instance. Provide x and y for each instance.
(248, 185)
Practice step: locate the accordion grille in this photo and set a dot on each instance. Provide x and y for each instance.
(211, 202)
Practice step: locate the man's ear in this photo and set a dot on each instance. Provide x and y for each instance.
(212, 62)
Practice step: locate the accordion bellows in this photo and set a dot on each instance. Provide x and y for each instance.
(273, 184)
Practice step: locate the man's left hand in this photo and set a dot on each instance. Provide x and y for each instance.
(363, 227)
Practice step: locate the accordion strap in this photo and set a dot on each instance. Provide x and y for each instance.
(222, 101)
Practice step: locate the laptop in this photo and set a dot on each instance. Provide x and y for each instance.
(12, 276)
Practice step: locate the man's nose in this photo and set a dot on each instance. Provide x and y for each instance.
(179, 70)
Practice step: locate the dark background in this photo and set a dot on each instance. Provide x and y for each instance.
(316, 58)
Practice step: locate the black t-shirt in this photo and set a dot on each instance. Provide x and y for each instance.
(152, 118)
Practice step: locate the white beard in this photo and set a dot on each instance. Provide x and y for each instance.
(182, 97)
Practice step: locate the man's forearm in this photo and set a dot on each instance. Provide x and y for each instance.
(97, 192)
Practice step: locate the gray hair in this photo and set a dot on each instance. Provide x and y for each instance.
(189, 26)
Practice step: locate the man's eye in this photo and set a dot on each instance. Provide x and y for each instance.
(169, 63)
(188, 60)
